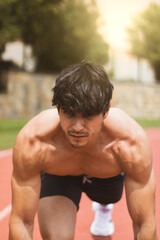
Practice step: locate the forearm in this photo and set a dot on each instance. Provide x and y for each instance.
(18, 230)
(145, 232)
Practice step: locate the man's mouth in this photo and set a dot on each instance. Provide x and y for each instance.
(77, 135)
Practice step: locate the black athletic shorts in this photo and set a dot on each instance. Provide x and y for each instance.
(104, 191)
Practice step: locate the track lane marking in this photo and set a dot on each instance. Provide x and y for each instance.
(6, 153)
(5, 212)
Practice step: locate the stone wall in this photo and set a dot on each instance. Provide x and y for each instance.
(28, 94)
(137, 99)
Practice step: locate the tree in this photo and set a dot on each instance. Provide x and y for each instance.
(144, 37)
(72, 37)
(21, 20)
(61, 32)
(9, 30)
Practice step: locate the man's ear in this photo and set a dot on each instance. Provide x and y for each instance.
(106, 113)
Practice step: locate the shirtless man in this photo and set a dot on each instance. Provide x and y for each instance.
(81, 146)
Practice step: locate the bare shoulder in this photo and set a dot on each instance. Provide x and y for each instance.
(132, 146)
(43, 123)
(32, 142)
(122, 125)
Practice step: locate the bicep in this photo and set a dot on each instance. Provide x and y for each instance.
(140, 199)
(25, 196)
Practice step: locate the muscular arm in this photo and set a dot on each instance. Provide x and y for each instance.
(141, 205)
(28, 157)
(135, 157)
(25, 196)
(25, 190)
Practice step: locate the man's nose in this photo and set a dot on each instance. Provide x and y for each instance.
(78, 125)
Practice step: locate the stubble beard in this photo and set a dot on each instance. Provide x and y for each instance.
(76, 143)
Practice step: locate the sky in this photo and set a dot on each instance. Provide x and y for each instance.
(116, 16)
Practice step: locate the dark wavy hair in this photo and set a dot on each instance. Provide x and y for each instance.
(83, 88)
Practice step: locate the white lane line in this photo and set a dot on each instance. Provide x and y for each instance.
(5, 212)
(6, 153)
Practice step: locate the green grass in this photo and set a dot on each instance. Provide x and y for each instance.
(9, 129)
(149, 123)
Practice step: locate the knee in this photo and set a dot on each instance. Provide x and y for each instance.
(62, 235)
(65, 236)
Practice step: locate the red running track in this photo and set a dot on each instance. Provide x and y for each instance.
(85, 215)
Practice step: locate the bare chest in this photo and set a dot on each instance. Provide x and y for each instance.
(96, 164)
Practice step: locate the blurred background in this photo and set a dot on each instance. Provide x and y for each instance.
(39, 38)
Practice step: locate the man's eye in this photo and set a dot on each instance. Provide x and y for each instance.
(89, 118)
(68, 115)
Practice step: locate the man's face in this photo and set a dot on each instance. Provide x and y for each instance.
(80, 130)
